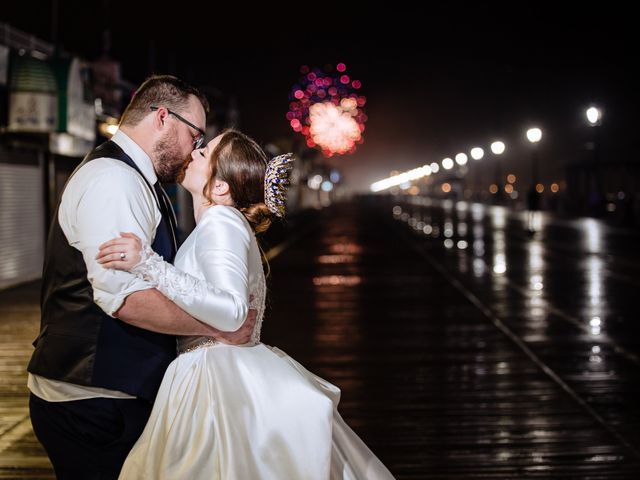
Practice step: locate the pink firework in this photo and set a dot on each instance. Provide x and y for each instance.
(326, 107)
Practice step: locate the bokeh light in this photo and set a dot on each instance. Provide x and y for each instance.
(326, 107)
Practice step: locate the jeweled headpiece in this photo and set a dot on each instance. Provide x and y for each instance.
(276, 181)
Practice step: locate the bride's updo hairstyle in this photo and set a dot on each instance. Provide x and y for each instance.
(239, 161)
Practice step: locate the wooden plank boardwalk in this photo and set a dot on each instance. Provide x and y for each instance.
(21, 456)
(440, 373)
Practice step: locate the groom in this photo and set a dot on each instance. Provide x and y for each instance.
(107, 337)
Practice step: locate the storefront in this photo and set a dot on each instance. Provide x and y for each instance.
(48, 127)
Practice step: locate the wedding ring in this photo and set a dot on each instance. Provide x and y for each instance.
(123, 256)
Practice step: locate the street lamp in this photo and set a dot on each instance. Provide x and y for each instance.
(596, 199)
(594, 116)
(447, 163)
(498, 149)
(477, 153)
(461, 159)
(534, 135)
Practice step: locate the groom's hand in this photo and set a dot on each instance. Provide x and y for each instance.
(243, 334)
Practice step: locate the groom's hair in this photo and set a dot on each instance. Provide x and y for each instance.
(160, 90)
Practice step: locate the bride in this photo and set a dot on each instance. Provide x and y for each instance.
(234, 412)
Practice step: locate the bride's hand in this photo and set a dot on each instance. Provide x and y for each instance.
(122, 253)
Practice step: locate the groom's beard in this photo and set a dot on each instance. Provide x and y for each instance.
(170, 165)
(183, 171)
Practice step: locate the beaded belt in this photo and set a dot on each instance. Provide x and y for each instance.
(202, 344)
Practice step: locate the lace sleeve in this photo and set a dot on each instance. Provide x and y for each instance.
(171, 281)
(220, 251)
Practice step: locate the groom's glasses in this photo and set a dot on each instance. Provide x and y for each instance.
(198, 142)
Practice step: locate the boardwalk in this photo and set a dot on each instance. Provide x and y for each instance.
(464, 346)
(20, 453)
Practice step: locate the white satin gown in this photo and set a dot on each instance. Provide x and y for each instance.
(237, 412)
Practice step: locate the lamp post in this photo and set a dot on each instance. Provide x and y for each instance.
(498, 148)
(477, 153)
(594, 117)
(596, 197)
(534, 135)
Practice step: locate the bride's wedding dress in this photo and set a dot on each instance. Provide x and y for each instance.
(237, 412)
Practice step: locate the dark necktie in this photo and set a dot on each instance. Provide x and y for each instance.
(167, 212)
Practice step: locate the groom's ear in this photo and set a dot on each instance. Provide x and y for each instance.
(159, 116)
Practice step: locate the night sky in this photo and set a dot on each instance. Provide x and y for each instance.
(436, 83)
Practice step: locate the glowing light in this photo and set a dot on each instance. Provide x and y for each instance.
(493, 188)
(324, 106)
(461, 158)
(332, 128)
(593, 236)
(477, 153)
(511, 178)
(447, 163)
(346, 248)
(555, 187)
(315, 182)
(534, 135)
(594, 115)
(348, 104)
(326, 186)
(337, 280)
(498, 148)
(402, 179)
(539, 188)
(111, 129)
(333, 259)
(446, 187)
(500, 268)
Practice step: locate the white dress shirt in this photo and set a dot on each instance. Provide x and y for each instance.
(104, 198)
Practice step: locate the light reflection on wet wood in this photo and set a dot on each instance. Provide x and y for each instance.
(432, 387)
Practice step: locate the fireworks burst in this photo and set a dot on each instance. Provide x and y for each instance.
(327, 109)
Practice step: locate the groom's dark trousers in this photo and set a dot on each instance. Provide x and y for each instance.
(81, 437)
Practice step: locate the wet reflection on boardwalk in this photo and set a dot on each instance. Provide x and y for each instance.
(465, 346)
